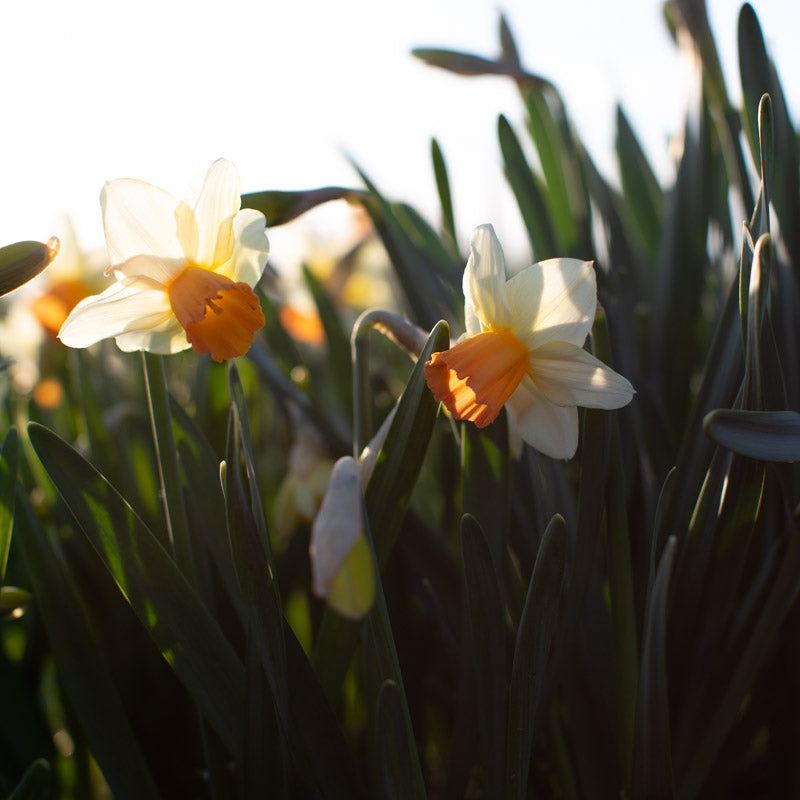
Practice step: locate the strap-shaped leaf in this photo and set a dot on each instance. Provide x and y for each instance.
(9, 462)
(157, 591)
(652, 764)
(765, 435)
(531, 655)
(282, 207)
(488, 650)
(82, 669)
(35, 783)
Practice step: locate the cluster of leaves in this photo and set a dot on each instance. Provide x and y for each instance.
(620, 624)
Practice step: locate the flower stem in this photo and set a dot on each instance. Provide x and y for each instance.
(166, 456)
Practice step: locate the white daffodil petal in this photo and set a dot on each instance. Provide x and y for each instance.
(251, 250)
(154, 268)
(484, 280)
(111, 313)
(553, 300)
(568, 375)
(164, 338)
(551, 429)
(337, 526)
(139, 219)
(217, 205)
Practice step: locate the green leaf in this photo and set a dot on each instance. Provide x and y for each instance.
(528, 193)
(394, 764)
(765, 435)
(425, 269)
(564, 197)
(157, 591)
(652, 763)
(338, 340)
(488, 646)
(22, 261)
(445, 196)
(758, 77)
(249, 542)
(9, 463)
(644, 200)
(532, 652)
(282, 207)
(485, 474)
(35, 784)
(84, 672)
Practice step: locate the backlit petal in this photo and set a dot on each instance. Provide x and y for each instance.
(164, 339)
(569, 376)
(251, 249)
(123, 306)
(159, 270)
(485, 282)
(553, 300)
(217, 205)
(139, 219)
(551, 429)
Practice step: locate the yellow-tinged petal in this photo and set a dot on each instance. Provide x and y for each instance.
(217, 204)
(352, 592)
(484, 283)
(476, 377)
(553, 300)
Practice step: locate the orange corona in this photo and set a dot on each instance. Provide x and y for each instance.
(477, 376)
(220, 316)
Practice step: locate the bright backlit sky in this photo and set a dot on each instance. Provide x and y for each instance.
(157, 89)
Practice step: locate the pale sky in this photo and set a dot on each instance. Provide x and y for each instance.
(157, 89)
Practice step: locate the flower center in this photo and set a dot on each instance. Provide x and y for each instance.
(477, 376)
(219, 316)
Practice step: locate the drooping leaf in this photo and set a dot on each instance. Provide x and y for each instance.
(765, 435)
(282, 207)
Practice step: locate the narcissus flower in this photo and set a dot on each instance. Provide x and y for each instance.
(184, 270)
(523, 348)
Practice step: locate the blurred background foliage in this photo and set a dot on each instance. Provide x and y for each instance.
(623, 624)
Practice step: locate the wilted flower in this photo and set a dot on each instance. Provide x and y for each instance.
(524, 347)
(184, 270)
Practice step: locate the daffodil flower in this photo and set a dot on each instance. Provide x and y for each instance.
(523, 348)
(184, 270)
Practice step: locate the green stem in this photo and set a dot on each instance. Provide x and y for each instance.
(402, 333)
(166, 456)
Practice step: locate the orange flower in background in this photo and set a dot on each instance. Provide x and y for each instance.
(523, 349)
(185, 270)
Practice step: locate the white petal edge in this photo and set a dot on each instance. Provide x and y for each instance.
(551, 429)
(139, 219)
(484, 281)
(569, 376)
(337, 526)
(111, 313)
(251, 250)
(217, 204)
(154, 268)
(553, 300)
